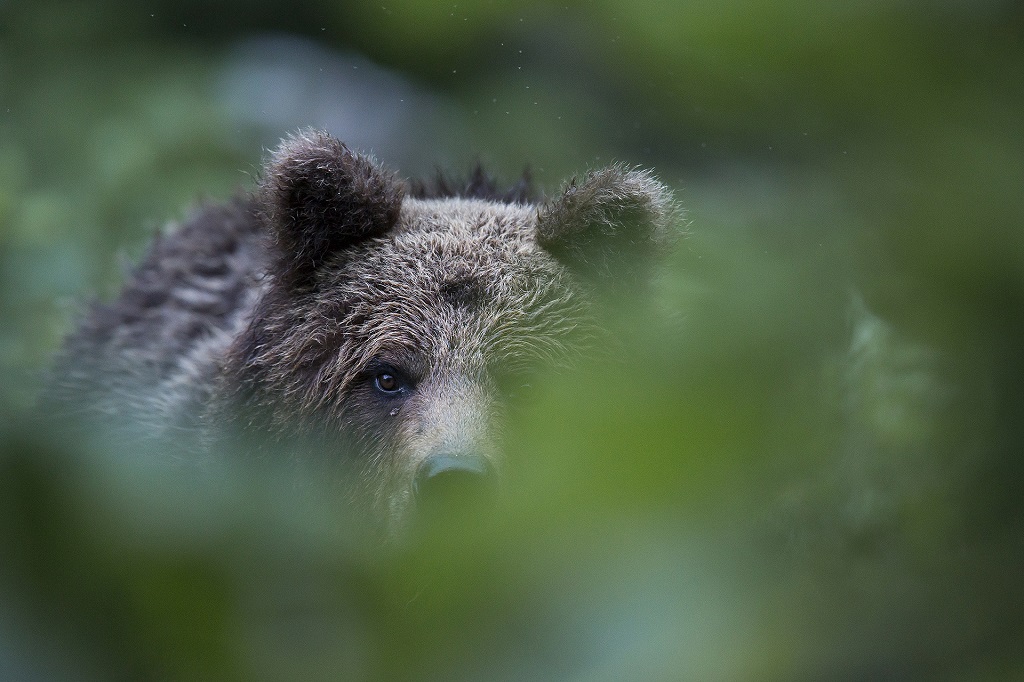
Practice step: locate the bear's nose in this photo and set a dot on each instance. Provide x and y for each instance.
(452, 478)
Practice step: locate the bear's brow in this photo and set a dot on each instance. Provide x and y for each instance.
(463, 291)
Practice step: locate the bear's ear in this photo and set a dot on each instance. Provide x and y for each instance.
(318, 196)
(607, 225)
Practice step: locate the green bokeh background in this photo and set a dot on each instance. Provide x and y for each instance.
(807, 464)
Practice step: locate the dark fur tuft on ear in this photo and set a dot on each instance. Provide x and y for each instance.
(318, 196)
(608, 224)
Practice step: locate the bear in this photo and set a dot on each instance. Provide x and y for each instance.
(372, 328)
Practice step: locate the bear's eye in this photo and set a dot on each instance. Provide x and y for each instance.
(387, 383)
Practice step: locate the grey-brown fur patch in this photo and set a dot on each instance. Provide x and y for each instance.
(463, 290)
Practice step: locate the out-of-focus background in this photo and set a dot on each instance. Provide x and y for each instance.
(808, 465)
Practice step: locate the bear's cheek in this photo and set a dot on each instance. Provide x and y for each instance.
(376, 423)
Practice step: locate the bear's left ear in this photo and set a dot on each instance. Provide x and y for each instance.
(318, 197)
(610, 223)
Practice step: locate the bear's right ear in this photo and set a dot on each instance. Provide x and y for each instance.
(318, 197)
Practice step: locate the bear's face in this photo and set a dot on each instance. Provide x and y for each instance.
(393, 331)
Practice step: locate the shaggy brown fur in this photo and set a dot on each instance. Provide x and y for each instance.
(338, 314)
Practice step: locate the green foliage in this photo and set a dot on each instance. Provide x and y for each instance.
(802, 464)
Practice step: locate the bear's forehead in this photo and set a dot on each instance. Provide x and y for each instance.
(455, 274)
(455, 282)
(468, 219)
(456, 247)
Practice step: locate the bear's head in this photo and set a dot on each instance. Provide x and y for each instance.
(393, 330)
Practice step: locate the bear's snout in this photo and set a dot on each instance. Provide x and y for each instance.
(440, 478)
